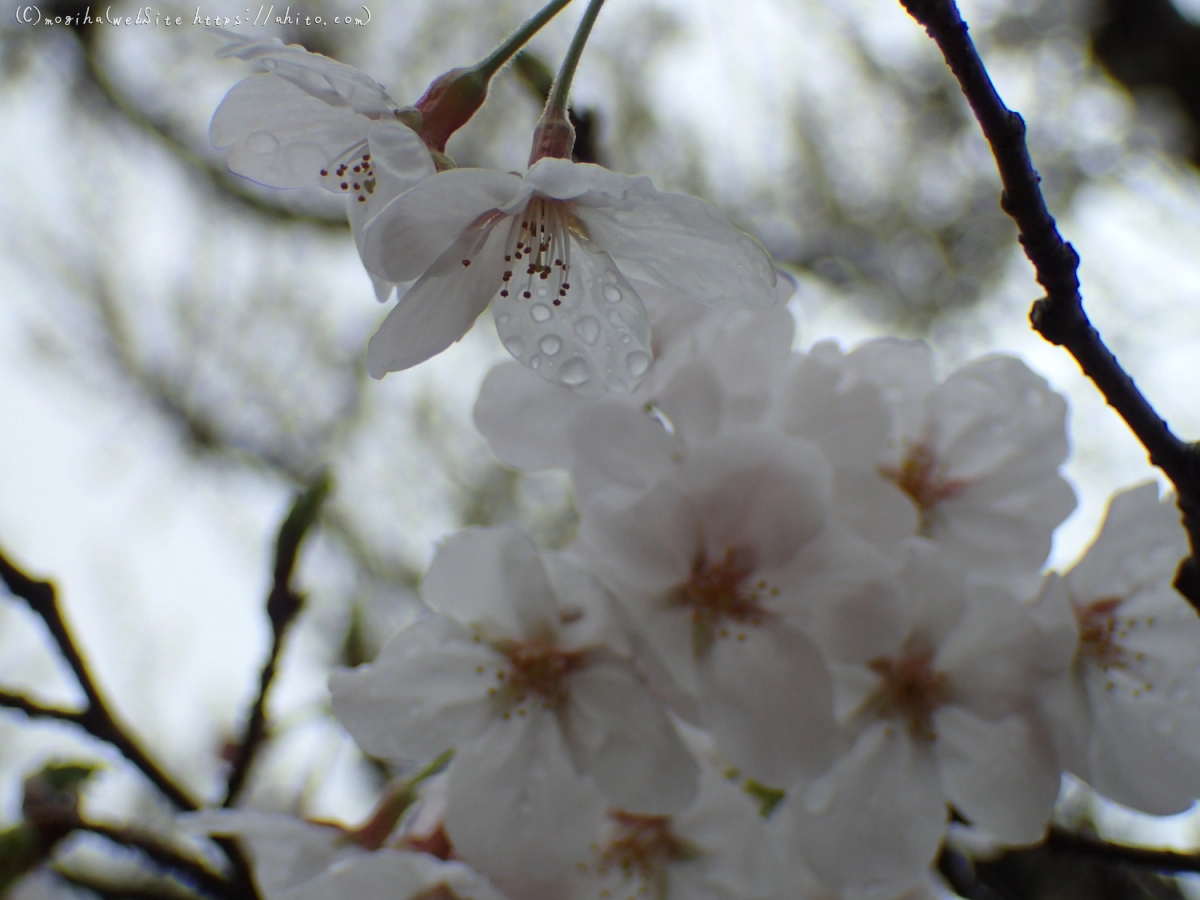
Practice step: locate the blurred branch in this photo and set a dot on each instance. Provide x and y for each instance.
(110, 890)
(1064, 841)
(283, 605)
(216, 174)
(193, 873)
(96, 718)
(1059, 317)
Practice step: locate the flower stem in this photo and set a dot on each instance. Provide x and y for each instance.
(555, 135)
(496, 60)
(557, 101)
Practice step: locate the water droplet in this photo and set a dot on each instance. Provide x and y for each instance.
(550, 344)
(612, 294)
(638, 362)
(540, 312)
(269, 64)
(262, 142)
(625, 339)
(588, 329)
(575, 372)
(515, 346)
(542, 292)
(535, 361)
(502, 319)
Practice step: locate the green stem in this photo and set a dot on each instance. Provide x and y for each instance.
(557, 101)
(496, 60)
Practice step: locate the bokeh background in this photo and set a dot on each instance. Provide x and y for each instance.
(181, 349)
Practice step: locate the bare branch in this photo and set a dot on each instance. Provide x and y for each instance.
(1059, 316)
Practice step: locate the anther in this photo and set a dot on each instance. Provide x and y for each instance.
(466, 262)
(527, 295)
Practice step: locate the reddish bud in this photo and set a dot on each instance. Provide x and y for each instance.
(448, 105)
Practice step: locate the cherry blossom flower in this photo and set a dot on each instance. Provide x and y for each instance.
(716, 849)
(559, 253)
(725, 563)
(1128, 720)
(518, 671)
(977, 454)
(947, 715)
(309, 121)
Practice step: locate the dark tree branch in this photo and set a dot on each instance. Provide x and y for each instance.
(1059, 316)
(96, 718)
(1063, 841)
(283, 605)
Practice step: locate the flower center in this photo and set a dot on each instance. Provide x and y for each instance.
(909, 689)
(1101, 633)
(641, 848)
(923, 478)
(537, 258)
(351, 173)
(534, 668)
(718, 594)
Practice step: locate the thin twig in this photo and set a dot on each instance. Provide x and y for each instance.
(283, 605)
(96, 718)
(1059, 316)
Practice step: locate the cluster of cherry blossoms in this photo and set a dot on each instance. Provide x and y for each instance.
(804, 625)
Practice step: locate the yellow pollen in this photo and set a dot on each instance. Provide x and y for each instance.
(641, 849)
(717, 594)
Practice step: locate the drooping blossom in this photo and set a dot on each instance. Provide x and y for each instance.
(310, 121)
(978, 454)
(520, 671)
(948, 715)
(559, 254)
(728, 563)
(1128, 718)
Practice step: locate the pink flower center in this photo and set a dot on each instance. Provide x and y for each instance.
(909, 689)
(641, 847)
(1101, 633)
(923, 478)
(721, 596)
(535, 668)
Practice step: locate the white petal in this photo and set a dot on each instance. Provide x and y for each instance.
(515, 804)
(766, 695)
(586, 183)
(761, 491)
(632, 750)
(613, 445)
(1002, 775)
(333, 83)
(414, 230)
(395, 875)
(422, 695)
(873, 824)
(492, 579)
(682, 243)
(596, 341)
(280, 136)
(525, 418)
(442, 306)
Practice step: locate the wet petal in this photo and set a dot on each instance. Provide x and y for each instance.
(595, 341)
